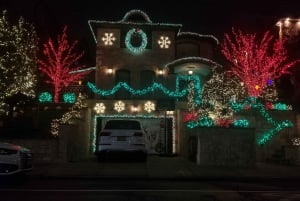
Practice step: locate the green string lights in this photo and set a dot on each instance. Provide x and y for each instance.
(45, 97)
(132, 36)
(252, 102)
(177, 93)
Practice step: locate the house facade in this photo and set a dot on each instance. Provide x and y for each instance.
(143, 71)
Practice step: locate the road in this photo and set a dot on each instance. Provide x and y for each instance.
(37, 189)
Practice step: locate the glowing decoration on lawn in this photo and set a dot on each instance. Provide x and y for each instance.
(177, 93)
(149, 106)
(45, 97)
(255, 61)
(119, 106)
(69, 97)
(252, 102)
(60, 59)
(136, 41)
(75, 113)
(108, 39)
(99, 108)
(164, 42)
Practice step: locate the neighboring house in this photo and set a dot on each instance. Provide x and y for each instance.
(138, 53)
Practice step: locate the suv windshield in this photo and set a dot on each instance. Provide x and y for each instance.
(123, 124)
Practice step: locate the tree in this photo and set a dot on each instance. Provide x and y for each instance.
(256, 62)
(60, 64)
(18, 60)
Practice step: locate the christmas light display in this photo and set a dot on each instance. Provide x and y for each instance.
(69, 97)
(253, 102)
(219, 91)
(99, 108)
(74, 113)
(128, 21)
(60, 60)
(131, 39)
(296, 141)
(256, 61)
(241, 123)
(45, 97)
(18, 45)
(136, 12)
(177, 93)
(149, 106)
(164, 42)
(119, 106)
(108, 39)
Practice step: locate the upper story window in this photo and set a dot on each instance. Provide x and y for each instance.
(122, 75)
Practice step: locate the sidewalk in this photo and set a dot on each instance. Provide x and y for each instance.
(159, 167)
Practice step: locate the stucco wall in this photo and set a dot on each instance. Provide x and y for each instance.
(225, 146)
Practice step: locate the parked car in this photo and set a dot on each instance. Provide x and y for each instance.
(14, 159)
(121, 136)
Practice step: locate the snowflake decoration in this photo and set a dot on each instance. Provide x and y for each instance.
(296, 141)
(149, 106)
(99, 108)
(108, 39)
(164, 42)
(119, 106)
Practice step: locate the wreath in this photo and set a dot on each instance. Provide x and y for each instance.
(136, 41)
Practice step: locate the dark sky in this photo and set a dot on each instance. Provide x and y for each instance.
(201, 16)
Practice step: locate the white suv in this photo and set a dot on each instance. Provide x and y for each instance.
(14, 159)
(121, 136)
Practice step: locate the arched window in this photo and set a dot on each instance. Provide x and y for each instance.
(122, 75)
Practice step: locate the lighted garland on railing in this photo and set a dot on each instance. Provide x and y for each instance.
(177, 93)
(252, 102)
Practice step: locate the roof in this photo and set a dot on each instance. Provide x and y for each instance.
(133, 17)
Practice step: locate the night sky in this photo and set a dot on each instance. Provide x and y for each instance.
(201, 16)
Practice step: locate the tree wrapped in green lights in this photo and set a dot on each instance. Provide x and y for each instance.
(61, 63)
(18, 60)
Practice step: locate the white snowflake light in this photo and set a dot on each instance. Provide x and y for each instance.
(149, 106)
(296, 141)
(119, 106)
(164, 42)
(108, 38)
(99, 108)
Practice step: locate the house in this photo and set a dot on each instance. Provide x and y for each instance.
(143, 71)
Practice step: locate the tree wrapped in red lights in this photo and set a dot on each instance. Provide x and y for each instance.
(60, 63)
(256, 61)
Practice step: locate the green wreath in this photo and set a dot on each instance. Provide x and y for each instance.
(138, 33)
